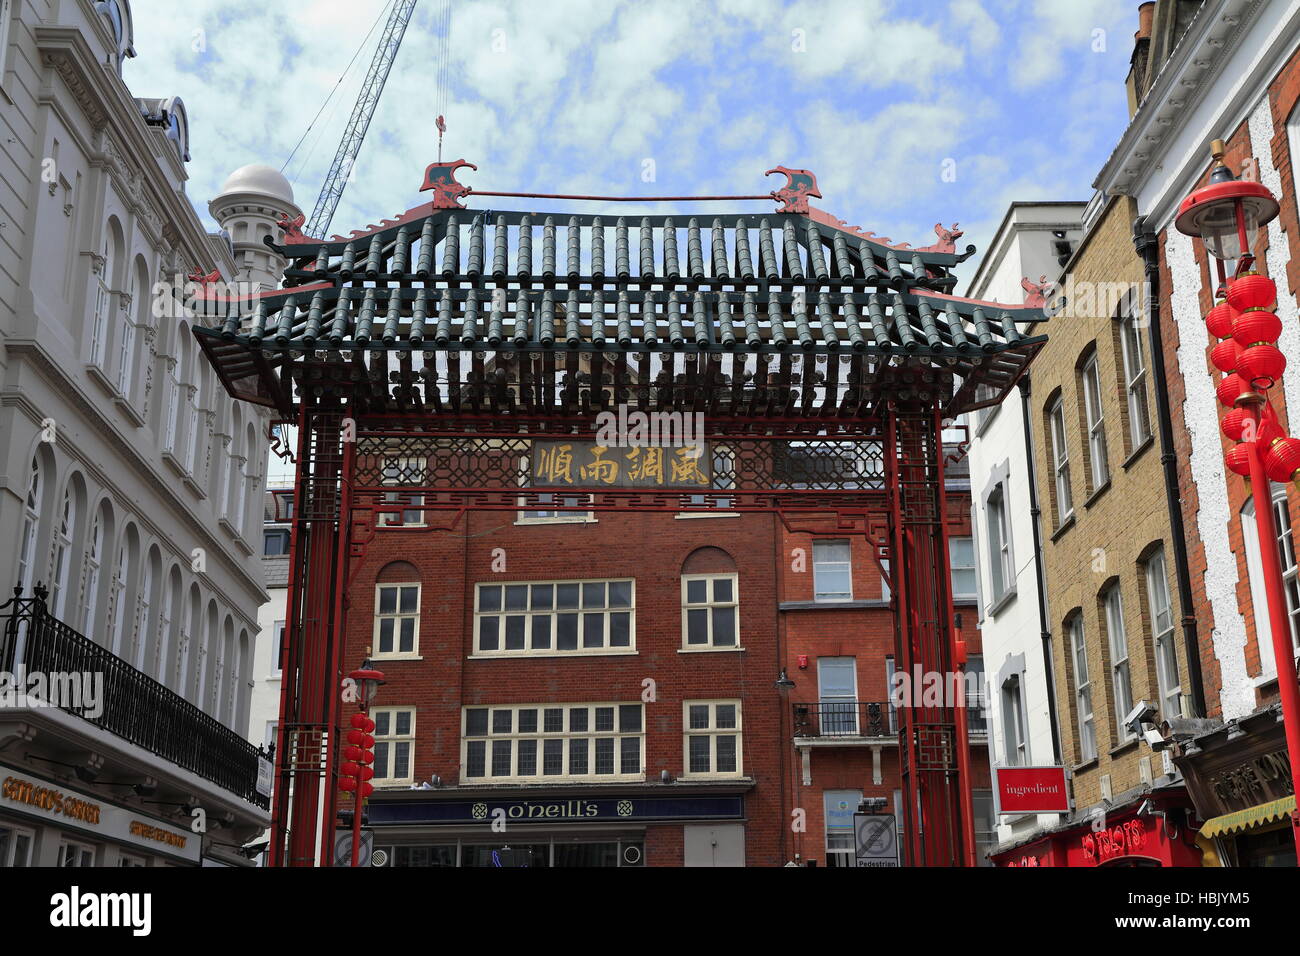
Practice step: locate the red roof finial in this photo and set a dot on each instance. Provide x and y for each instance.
(800, 185)
(441, 179)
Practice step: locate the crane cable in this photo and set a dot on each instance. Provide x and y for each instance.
(334, 89)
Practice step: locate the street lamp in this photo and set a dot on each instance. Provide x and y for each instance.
(1227, 214)
(356, 772)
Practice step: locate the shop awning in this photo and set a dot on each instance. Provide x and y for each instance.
(1242, 820)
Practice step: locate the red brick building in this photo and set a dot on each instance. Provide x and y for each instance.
(837, 632)
(581, 690)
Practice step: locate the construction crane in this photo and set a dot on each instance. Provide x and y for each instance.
(331, 190)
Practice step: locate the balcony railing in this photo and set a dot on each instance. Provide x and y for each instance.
(850, 718)
(134, 706)
(860, 718)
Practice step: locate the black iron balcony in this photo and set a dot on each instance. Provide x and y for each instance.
(135, 707)
(850, 718)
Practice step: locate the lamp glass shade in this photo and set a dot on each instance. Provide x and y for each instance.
(1211, 213)
(1219, 229)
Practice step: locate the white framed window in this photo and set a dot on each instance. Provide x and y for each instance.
(63, 552)
(961, 563)
(568, 501)
(1060, 462)
(277, 647)
(1162, 631)
(837, 696)
(94, 561)
(173, 405)
(1001, 572)
(1096, 423)
(1014, 740)
(31, 526)
(1290, 584)
(1117, 640)
(1082, 692)
(403, 471)
(103, 302)
(394, 744)
(555, 617)
(1135, 379)
(126, 348)
(131, 860)
(832, 571)
(143, 606)
(118, 599)
(712, 744)
(15, 845)
(710, 611)
(532, 743)
(76, 854)
(397, 620)
(977, 703)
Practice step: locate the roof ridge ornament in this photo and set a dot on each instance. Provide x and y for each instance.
(800, 185)
(441, 179)
(293, 233)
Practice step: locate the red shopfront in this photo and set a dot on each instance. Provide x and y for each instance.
(1159, 837)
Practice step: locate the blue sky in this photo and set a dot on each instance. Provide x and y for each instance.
(1024, 97)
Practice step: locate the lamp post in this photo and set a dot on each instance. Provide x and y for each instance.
(356, 772)
(1227, 214)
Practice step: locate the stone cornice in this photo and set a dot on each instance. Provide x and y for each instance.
(1213, 37)
(109, 106)
(204, 536)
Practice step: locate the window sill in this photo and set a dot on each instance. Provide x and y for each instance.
(1086, 765)
(688, 515)
(530, 655)
(97, 374)
(169, 458)
(702, 777)
(853, 605)
(1065, 526)
(195, 488)
(396, 657)
(577, 519)
(1007, 597)
(1139, 451)
(129, 411)
(708, 650)
(1092, 498)
(400, 527)
(1126, 746)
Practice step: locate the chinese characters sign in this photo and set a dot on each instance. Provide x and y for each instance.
(560, 464)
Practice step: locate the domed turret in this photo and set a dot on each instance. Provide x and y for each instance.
(251, 204)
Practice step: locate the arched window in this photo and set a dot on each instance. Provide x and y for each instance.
(63, 531)
(171, 601)
(189, 628)
(143, 606)
(94, 562)
(126, 350)
(1255, 572)
(32, 507)
(174, 378)
(119, 618)
(192, 411)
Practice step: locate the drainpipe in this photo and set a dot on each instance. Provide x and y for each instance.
(1147, 246)
(1044, 631)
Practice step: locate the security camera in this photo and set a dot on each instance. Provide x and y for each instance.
(1142, 713)
(1147, 809)
(1155, 739)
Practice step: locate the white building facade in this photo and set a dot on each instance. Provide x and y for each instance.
(1013, 628)
(130, 483)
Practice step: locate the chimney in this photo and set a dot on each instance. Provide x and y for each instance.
(1140, 62)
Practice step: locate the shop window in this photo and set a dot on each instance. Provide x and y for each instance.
(839, 806)
(131, 860)
(15, 846)
(394, 744)
(548, 617)
(536, 743)
(712, 738)
(709, 611)
(397, 620)
(76, 854)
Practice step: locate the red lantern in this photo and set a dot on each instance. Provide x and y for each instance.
(1267, 432)
(1251, 328)
(1226, 354)
(1230, 389)
(359, 721)
(1261, 363)
(1237, 461)
(354, 753)
(1219, 320)
(351, 768)
(1234, 423)
(366, 789)
(1252, 291)
(1282, 460)
(347, 783)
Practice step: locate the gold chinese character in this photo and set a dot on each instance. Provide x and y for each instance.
(599, 469)
(556, 464)
(646, 464)
(687, 469)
